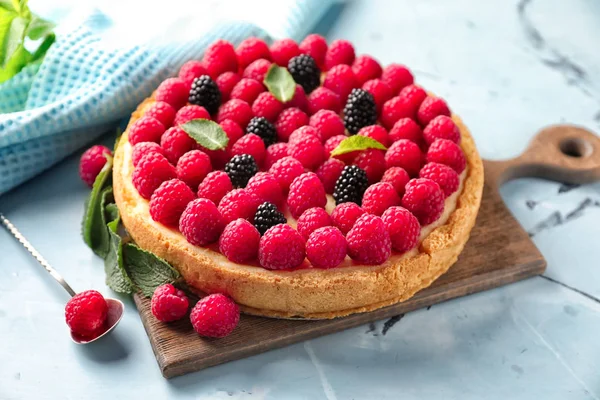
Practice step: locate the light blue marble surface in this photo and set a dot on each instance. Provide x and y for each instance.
(509, 68)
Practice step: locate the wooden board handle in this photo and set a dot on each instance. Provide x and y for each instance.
(563, 153)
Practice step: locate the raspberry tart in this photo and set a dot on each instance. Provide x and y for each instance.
(351, 191)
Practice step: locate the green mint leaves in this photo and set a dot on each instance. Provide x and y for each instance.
(207, 133)
(116, 276)
(280, 83)
(146, 270)
(355, 143)
(94, 230)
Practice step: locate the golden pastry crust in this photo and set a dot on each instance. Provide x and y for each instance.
(308, 293)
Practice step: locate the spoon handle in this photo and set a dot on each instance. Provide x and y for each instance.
(19, 236)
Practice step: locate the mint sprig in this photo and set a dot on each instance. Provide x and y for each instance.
(280, 83)
(116, 276)
(147, 270)
(207, 133)
(356, 143)
(94, 231)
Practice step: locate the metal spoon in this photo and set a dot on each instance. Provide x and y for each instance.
(115, 307)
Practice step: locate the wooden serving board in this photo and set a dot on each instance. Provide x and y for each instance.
(499, 252)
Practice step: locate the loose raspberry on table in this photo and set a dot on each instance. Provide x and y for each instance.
(340, 80)
(168, 202)
(306, 191)
(261, 127)
(191, 70)
(145, 129)
(240, 169)
(406, 128)
(252, 49)
(286, 170)
(275, 152)
(369, 241)
(239, 241)
(430, 108)
(311, 220)
(299, 100)
(305, 72)
(220, 57)
(425, 199)
(372, 161)
(376, 132)
(366, 68)
(193, 167)
(345, 215)
(226, 82)
(379, 197)
(441, 127)
(351, 185)
(360, 111)
(413, 95)
(403, 227)
(267, 215)
(405, 154)
(380, 90)
(447, 152)
(188, 113)
(215, 315)
(324, 99)
(168, 303)
(161, 111)
(443, 175)
(266, 187)
(288, 121)
(86, 313)
(398, 177)
(91, 163)
(239, 203)
(143, 148)
(205, 92)
(309, 151)
(315, 46)
(201, 222)
(216, 185)
(397, 77)
(339, 52)
(250, 144)
(267, 106)
(326, 247)
(247, 90)
(394, 109)
(283, 50)
(257, 69)
(175, 143)
(152, 170)
(281, 247)
(173, 91)
(327, 123)
(329, 172)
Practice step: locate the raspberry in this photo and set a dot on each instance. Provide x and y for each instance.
(193, 167)
(220, 57)
(425, 199)
(257, 69)
(86, 313)
(251, 49)
(250, 144)
(340, 80)
(369, 241)
(329, 172)
(301, 134)
(281, 247)
(239, 203)
(446, 152)
(240, 169)
(327, 123)
(324, 99)
(443, 175)
(266, 187)
(339, 52)
(172, 91)
(305, 72)
(306, 191)
(239, 241)
(366, 68)
(226, 82)
(143, 148)
(403, 227)
(430, 108)
(266, 105)
(152, 170)
(168, 303)
(413, 95)
(376, 132)
(219, 158)
(247, 90)
(288, 121)
(175, 143)
(283, 50)
(315, 46)
(405, 154)
(205, 92)
(267, 215)
(275, 152)
(360, 111)
(263, 129)
(92, 162)
(188, 113)
(216, 185)
(326, 247)
(397, 76)
(311, 220)
(372, 161)
(215, 315)
(441, 127)
(286, 170)
(161, 111)
(406, 128)
(309, 151)
(398, 177)
(344, 216)
(145, 129)
(380, 90)
(169, 200)
(299, 100)
(379, 197)
(332, 143)
(395, 109)
(236, 110)
(190, 71)
(351, 185)
(201, 222)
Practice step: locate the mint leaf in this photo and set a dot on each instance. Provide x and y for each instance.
(43, 48)
(14, 39)
(39, 28)
(207, 133)
(280, 83)
(116, 276)
(355, 143)
(147, 271)
(94, 230)
(7, 5)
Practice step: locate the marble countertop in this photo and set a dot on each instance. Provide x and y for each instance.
(508, 68)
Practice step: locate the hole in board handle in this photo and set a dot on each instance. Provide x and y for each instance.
(575, 147)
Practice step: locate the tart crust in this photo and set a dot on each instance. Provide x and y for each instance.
(307, 293)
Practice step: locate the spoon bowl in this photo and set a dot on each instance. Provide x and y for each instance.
(113, 317)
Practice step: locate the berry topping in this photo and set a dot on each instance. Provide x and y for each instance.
(161, 111)
(251, 49)
(168, 202)
(340, 80)
(306, 191)
(143, 148)
(379, 197)
(240, 169)
(311, 220)
(283, 50)
(188, 113)
(145, 129)
(369, 241)
(366, 68)
(193, 167)
(406, 128)
(175, 143)
(216, 185)
(326, 247)
(395, 109)
(205, 92)
(315, 46)
(329, 172)
(372, 161)
(239, 241)
(376, 132)
(215, 315)
(443, 175)
(286, 170)
(446, 152)
(220, 57)
(281, 247)
(406, 154)
(398, 177)
(275, 152)
(250, 144)
(425, 199)
(226, 82)
(236, 110)
(324, 99)
(239, 203)
(190, 71)
(266, 105)
(266, 187)
(397, 76)
(288, 121)
(301, 133)
(430, 108)
(261, 127)
(380, 90)
(92, 161)
(309, 151)
(360, 111)
(414, 96)
(403, 227)
(152, 170)
(299, 100)
(86, 313)
(201, 222)
(351, 185)
(172, 91)
(339, 52)
(327, 123)
(257, 69)
(168, 303)
(267, 215)
(344, 216)
(305, 72)
(441, 127)
(247, 90)
(334, 142)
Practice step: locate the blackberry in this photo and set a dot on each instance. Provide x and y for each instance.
(267, 215)
(205, 93)
(240, 169)
(351, 185)
(360, 111)
(305, 72)
(264, 129)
